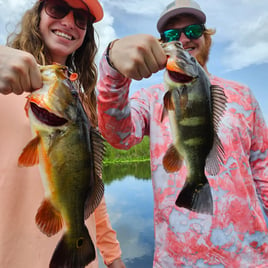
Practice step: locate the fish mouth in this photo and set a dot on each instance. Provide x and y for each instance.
(46, 117)
(179, 77)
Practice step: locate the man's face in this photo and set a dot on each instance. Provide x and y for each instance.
(198, 48)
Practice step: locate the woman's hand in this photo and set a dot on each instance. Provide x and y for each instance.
(118, 263)
(19, 71)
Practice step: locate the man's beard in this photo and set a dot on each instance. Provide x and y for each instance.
(202, 56)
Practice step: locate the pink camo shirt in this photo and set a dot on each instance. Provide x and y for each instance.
(236, 235)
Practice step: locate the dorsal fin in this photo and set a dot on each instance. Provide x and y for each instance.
(219, 101)
(216, 155)
(98, 150)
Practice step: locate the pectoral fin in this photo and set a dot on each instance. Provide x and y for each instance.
(172, 160)
(168, 102)
(29, 155)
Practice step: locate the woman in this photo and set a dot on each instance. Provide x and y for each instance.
(51, 31)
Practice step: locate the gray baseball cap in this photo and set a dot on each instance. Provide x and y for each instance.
(179, 7)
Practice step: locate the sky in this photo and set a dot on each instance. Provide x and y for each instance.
(240, 45)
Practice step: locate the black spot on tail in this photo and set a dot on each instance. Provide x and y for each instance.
(73, 252)
(196, 197)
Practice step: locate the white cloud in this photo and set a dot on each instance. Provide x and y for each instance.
(249, 46)
(10, 14)
(105, 32)
(139, 7)
(241, 24)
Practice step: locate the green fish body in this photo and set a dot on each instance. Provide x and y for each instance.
(69, 152)
(195, 108)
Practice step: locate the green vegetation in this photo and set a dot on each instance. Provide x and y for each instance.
(138, 153)
(119, 163)
(118, 171)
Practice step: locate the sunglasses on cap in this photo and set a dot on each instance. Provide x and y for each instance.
(193, 31)
(58, 9)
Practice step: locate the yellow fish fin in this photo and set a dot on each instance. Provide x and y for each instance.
(48, 218)
(29, 155)
(172, 160)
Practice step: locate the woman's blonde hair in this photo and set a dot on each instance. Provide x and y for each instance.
(81, 61)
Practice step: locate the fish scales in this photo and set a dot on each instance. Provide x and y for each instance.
(194, 120)
(195, 108)
(69, 152)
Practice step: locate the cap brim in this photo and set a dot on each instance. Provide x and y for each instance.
(93, 6)
(95, 9)
(179, 11)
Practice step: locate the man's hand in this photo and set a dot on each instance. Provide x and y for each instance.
(137, 56)
(19, 71)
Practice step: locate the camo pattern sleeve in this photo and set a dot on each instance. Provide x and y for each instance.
(122, 123)
(236, 235)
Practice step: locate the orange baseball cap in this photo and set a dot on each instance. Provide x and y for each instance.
(93, 6)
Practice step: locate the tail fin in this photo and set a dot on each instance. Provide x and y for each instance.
(196, 197)
(73, 252)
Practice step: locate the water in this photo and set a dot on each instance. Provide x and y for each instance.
(129, 199)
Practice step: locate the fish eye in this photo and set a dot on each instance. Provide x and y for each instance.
(193, 60)
(80, 242)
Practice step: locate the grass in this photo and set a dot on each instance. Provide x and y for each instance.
(138, 153)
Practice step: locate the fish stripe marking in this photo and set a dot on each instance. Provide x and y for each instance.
(193, 121)
(194, 141)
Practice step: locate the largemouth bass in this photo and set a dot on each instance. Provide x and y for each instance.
(195, 108)
(69, 152)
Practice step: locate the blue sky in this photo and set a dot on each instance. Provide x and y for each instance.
(240, 45)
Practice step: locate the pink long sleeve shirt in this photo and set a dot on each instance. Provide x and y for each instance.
(236, 235)
(22, 245)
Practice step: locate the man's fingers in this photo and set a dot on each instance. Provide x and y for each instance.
(159, 55)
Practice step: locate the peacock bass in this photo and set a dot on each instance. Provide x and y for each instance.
(195, 108)
(69, 152)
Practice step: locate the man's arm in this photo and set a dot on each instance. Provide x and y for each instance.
(122, 121)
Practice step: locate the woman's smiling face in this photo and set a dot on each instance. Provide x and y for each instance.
(61, 36)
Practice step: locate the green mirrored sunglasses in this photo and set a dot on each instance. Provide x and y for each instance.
(193, 31)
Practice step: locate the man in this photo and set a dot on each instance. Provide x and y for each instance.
(236, 234)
